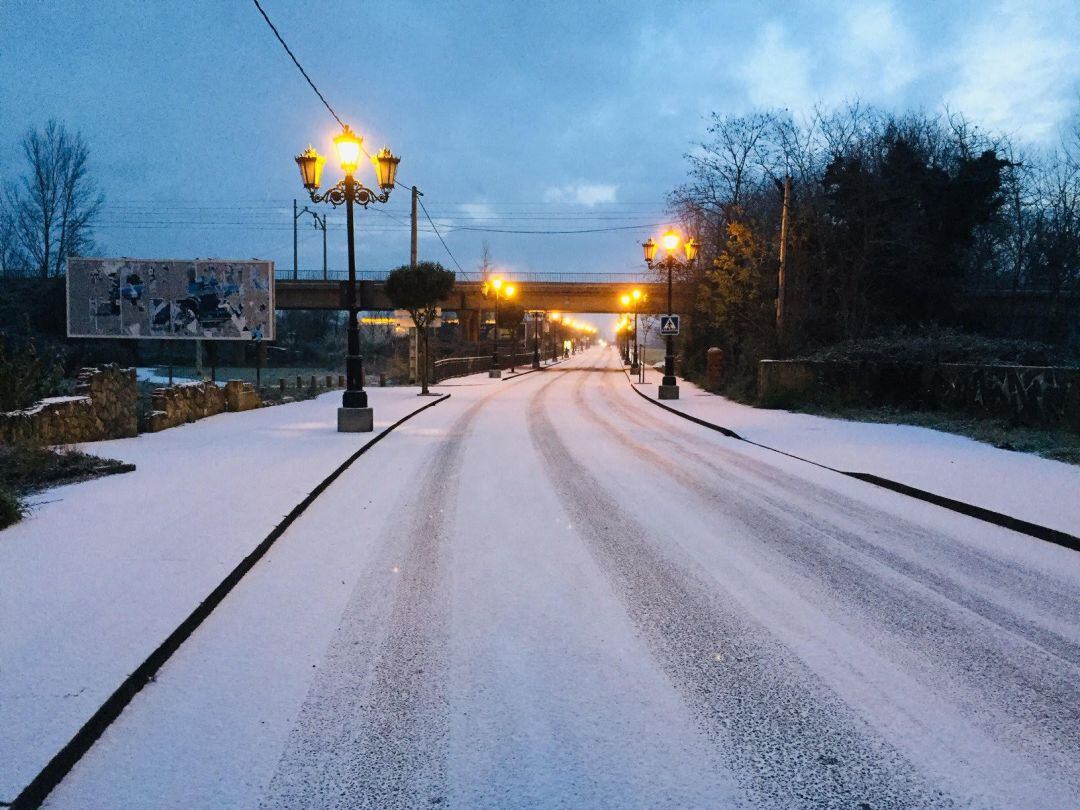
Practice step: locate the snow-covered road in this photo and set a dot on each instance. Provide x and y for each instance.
(550, 593)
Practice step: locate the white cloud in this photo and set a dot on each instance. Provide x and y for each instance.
(587, 194)
(776, 73)
(876, 45)
(1017, 73)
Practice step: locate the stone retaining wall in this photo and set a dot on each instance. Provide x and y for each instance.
(104, 407)
(1029, 395)
(188, 402)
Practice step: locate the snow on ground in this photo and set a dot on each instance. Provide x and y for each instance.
(549, 593)
(150, 375)
(101, 571)
(1021, 485)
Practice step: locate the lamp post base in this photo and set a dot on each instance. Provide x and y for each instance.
(495, 373)
(355, 420)
(669, 392)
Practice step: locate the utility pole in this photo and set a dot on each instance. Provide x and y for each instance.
(320, 222)
(323, 226)
(416, 195)
(781, 280)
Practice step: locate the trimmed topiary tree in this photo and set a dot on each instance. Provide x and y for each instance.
(418, 290)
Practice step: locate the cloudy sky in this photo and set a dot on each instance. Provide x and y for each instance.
(509, 116)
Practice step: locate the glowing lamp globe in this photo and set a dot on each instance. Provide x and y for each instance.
(348, 145)
(691, 248)
(670, 240)
(311, 165)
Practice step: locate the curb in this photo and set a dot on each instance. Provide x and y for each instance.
(1045, 533)
(34, 794)
(517, 374)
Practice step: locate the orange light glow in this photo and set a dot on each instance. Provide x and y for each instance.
(348, 145)
(670, 240)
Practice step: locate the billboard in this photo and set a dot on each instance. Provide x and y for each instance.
(172, 299)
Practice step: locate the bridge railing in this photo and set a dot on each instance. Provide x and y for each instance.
(630, 277)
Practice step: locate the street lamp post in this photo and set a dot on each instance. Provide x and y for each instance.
(554, 318)
(501, 291)
(537, 315)
(354, 415)
(669, 386)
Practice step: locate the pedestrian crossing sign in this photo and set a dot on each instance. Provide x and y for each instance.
(669, 324)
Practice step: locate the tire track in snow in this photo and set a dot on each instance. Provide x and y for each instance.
(791, 741)
(373, 731)
(1050, 595)
(994, 672)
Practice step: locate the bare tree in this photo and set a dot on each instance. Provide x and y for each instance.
(486, 265)
(11, 263)
(54, 205)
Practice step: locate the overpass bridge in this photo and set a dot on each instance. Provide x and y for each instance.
(562, 292)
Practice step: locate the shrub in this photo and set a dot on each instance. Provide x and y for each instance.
(25, 377)
(11, 508)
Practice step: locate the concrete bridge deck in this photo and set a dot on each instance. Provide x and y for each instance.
(564, 292)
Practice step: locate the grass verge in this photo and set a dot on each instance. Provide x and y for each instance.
(1058, 444)
(25, 469)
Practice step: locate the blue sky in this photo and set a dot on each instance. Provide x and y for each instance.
(527, 116)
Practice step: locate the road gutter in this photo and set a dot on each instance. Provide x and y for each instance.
(978, 512)
(34, 794)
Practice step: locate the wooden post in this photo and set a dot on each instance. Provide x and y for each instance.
(412, 250)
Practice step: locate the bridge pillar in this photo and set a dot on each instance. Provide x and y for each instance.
(470, 324)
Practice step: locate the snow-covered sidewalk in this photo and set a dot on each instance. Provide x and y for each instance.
(102, 571)
(1020, 485)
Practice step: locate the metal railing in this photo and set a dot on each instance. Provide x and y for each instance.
(463, 366)
(629, 277)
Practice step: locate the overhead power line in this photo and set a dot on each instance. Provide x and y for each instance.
(429, 219)
(296, 62)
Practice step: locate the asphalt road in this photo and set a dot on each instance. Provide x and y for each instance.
(547, 592)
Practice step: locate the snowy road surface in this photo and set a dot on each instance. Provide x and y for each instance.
(550, 593)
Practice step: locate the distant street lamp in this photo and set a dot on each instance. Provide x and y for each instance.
(555, 318)
(669, 386)
(354, 415)
(500, 290)
(537, 316)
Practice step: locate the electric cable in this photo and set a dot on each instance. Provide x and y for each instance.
(298, 65)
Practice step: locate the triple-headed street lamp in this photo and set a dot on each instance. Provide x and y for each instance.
(500, 290)
(669, 386)
(354, 415)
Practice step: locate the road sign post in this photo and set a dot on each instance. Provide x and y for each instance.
(669, 324)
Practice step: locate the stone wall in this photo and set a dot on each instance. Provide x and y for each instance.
(103, 407)
(1029, 395)
(188, 402)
